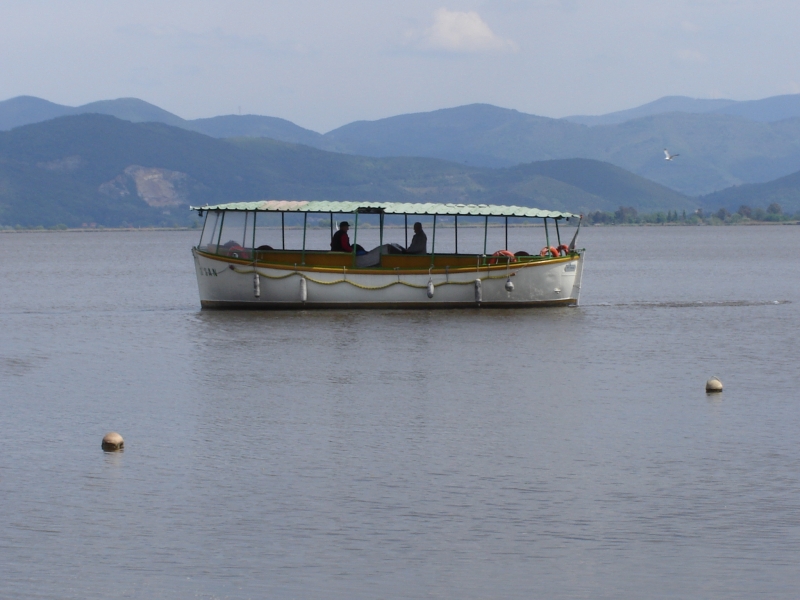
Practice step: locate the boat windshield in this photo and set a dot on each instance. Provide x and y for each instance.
(210, 233)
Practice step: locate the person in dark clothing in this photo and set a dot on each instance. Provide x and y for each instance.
(419, 243)
(340, 242)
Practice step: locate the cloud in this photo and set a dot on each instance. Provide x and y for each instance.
(454, 31)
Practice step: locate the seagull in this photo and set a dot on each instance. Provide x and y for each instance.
(668, 156)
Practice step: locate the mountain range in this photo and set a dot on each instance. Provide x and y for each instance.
(25, 110)
(716, 151)
(721, 143)
(769, 110)
(129, 162)
(93, 168)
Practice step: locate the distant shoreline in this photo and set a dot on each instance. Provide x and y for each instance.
(100, 230)
(466, 226)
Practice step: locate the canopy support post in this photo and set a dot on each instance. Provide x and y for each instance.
(406, 221)
(255, 214)
(485, 232)
(355, 239)
(203, 230)
(331, 219)
(506, 233)
(456, 227)
(546, 235)
(303, 256)
(219, 235)
(283, 233)
(575, 237)
(381, 240)
(558, 234)
(433, 243)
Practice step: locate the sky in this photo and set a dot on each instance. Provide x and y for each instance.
(323, 64)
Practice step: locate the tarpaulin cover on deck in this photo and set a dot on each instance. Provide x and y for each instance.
(389, 208)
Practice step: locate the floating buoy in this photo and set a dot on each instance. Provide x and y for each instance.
(713, 385)
(430, 288)
(112, 442)
(256, 285)
(478, 291)
(509, 284)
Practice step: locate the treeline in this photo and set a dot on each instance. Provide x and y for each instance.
(627, 215)
(95, 227)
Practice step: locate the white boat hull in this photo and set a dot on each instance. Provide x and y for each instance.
(229, 283)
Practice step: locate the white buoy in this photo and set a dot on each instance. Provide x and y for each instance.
(112, 441)
(713, 385)
(257, 285)
(509, 284)
(478, 291)
(430, 288)
(303, 290)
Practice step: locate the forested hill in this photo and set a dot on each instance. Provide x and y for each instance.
(785, 192)
(99, 169)
(721, 143)
(716, 150)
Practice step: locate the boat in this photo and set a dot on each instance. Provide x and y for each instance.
(235, 270)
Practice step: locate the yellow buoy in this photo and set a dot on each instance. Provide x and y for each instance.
(713, 385)
(112, 442)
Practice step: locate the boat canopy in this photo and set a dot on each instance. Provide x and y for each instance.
(389, 208)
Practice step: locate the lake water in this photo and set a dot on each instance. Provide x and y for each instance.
(545, 453)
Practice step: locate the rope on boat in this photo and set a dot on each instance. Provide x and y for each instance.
(242, 272)
(359, 285)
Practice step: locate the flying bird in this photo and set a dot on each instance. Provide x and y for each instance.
(668, 156)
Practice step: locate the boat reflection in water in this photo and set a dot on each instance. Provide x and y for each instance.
(241, 262)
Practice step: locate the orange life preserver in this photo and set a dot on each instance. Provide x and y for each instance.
(237, 252)
(551, 251)
(496, 256)
(565, 247)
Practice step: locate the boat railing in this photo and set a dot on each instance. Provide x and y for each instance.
(323, 258)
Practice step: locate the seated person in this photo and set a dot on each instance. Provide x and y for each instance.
(419, 243)
(340, 242)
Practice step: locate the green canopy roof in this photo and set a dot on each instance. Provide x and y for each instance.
(389, 208)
